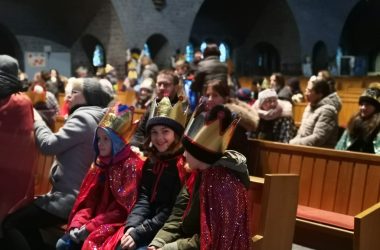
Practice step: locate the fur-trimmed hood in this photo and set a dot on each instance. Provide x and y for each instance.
(358, 127)
(249, 117)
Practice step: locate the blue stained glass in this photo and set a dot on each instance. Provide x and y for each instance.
(189, 52)
(98, 56)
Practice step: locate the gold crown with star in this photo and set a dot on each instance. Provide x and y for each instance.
(119, 118)
(208, 135)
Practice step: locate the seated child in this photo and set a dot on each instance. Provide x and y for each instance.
(109, 190)
(213, 212)
(162, 179)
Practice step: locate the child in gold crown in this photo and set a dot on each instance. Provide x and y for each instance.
(212, 213)
(162, 178)
(109, 190)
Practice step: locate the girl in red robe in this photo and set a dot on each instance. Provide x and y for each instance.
(109, 190)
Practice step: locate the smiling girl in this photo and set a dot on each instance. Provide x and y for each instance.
(162, 178)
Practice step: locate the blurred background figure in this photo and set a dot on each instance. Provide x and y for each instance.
(294, 85)
(276, 118)
(144, 96)
(277, 82)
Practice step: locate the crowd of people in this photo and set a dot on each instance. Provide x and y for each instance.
(160, 183)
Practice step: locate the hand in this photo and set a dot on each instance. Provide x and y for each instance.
(37, 116)
(74, 235)
(127, 242)
(83, 233)
(153, 248)
(78, 234)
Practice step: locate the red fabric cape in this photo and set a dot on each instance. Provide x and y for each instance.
(112, 242)
(123, 178)
(18, 153)
(224, 211)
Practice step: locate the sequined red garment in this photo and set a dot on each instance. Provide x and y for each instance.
(112, 242)
(106, 197)
(224, 211)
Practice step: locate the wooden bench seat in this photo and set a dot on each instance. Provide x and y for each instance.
(331, 182)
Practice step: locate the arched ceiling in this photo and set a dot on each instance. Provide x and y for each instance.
(225, 20)
(67, 18)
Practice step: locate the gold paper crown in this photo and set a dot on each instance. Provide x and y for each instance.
(165, 109)
(209, 135)
(119, 118)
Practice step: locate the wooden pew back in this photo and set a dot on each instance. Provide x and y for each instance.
(273, 206)
(332, 180)
(42, 183)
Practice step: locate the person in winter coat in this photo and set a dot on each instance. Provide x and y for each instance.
(363, 129)
(319, 124)
(276, 121)
(17, 147)
(217, 92)
(72, 147)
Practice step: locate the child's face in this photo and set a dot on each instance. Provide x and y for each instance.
(193, 163)
(104, 143)
(162, 137)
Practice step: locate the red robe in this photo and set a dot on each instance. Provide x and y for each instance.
(113, 242)
(18, 153)
(224, 211)
(106, 197)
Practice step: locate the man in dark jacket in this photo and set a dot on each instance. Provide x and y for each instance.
(167, 84)
(209, 68)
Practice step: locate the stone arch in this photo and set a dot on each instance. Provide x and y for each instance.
(89, 43)
(320, 58)
(360, 36)
(265, 59)
(10, 46)
(159, 48)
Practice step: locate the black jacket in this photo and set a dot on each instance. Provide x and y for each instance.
(158, 192)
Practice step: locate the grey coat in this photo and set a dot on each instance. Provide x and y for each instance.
(72, 146)
(319, 125)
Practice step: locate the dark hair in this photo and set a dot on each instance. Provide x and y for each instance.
(320, 86)
(153, 153)
(211, 49)
(326, 75)
(171, 73)
(219, 86)
(279, 79)
(294, 84)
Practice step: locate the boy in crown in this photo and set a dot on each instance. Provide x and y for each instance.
(109, 190)
(211, 211)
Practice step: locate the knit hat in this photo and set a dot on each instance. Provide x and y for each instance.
(263, 95)
(371, 95)
(244, 94)
(96, 93)
(207, 138)
(9, 82)
(164, 114)
(148, 84)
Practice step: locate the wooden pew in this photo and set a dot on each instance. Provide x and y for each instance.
(273, 205)
(339, 192)
(42, 183)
